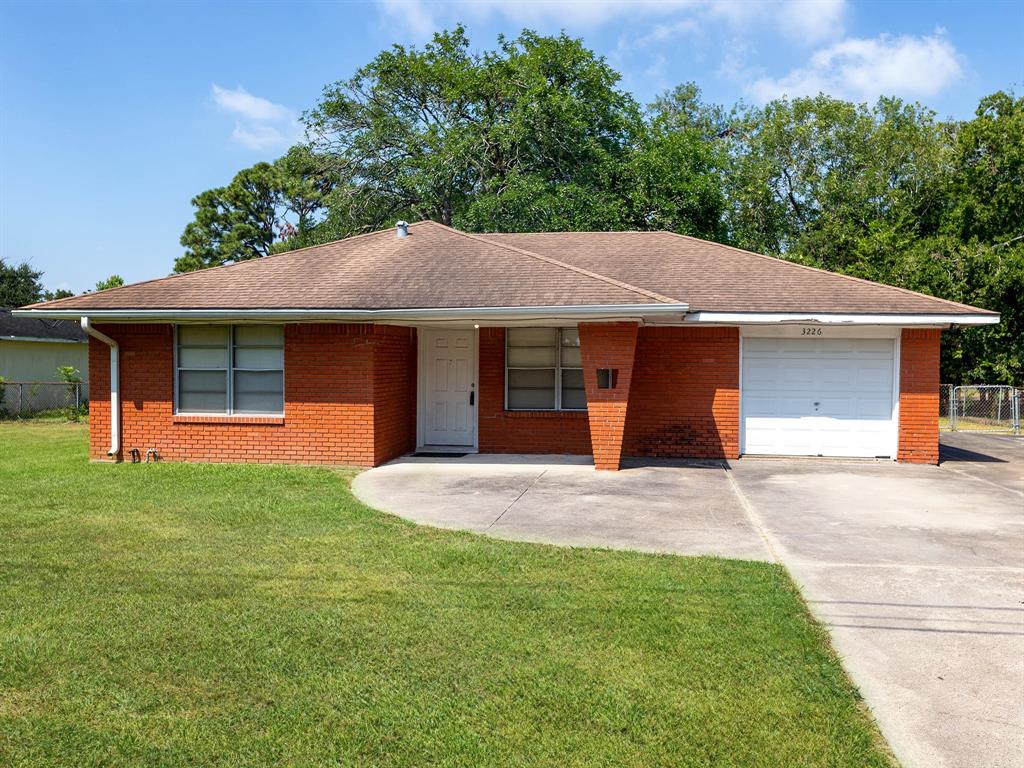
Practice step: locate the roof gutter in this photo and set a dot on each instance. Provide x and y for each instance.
(43, 339)
(115, 386)
(362, 315)
(829, 318)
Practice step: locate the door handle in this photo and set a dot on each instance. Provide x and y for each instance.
(472, 397)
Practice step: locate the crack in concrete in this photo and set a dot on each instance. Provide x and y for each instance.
(754, 518)
(516, 499)
(982, 480)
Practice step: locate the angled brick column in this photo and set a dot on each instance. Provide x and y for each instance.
(919, 396)
(613, 346)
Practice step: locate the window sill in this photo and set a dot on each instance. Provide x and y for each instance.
(198, 418)
(543, 414)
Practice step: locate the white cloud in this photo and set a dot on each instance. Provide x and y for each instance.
(413, 15)
(260, 123)
(865, 68)
(809, 21)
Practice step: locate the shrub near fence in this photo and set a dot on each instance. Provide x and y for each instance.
(19, 399)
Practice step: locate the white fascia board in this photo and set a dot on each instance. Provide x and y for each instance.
(36, 339)
(827, 318)
(467, 314)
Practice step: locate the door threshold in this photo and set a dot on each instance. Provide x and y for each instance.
(452, 451)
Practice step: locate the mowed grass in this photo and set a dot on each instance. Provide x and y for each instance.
(208, 615)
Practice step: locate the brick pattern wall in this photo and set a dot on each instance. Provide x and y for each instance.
(346, 400)
(685, 399)
(502, 431)
(394, 393)
(919, 396)
(608, 345)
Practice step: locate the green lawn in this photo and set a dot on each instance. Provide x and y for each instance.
(237, 615)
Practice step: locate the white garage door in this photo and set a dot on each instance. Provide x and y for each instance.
(818, 397)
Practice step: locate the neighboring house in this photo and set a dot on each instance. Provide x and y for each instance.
(427, 338)
(33, 349)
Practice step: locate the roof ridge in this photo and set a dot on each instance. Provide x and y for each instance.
(256, 260)
(862, 280)
(547, 259)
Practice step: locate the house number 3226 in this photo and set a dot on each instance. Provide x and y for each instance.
(810, 331)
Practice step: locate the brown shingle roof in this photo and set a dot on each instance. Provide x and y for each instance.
(435, 266)
(712, 277)
(440, 267)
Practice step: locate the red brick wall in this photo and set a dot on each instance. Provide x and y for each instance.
(919, 396)
(612, 346)
(334, 375)
(502, 431)
(394, 391)
(685, 399)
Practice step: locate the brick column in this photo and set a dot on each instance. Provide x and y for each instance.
(919, 396)
(607, 345)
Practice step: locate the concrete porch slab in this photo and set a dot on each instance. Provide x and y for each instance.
(674, 507)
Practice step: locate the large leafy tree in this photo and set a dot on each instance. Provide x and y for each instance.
(977, 255)
(267, 207)
(534, 135)
(19, 284)
(817, 179)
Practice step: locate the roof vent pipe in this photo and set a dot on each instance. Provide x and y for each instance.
(402, 229)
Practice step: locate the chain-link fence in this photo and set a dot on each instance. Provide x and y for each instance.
(28, 398)
(980, 408)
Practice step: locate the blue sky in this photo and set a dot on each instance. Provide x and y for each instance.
(113, 115)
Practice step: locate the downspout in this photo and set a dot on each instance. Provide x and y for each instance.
(115, 387)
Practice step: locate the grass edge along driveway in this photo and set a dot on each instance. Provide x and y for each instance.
(177, 614)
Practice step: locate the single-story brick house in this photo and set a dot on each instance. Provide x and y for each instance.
(425, 338)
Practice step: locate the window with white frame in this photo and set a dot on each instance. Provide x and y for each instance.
(543, 370)
(227, 369)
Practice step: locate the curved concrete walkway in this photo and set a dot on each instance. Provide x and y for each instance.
(564, 500)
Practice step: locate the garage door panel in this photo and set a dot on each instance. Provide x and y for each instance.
(836, 373)
(873, 375)
(757, 407)
(880, 347)
(798, 374)
(875, 409)
(810, 397)
(776, 436)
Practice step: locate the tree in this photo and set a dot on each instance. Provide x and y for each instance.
(819, 179)
(114, 281)
(232, 223)
(265, 208)
(534, 135)
(980, 247)
(19, 285)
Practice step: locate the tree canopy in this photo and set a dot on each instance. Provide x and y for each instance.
(21, 284)
(536, 134)
(114, 281)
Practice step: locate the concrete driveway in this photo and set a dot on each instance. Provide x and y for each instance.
(917, 571)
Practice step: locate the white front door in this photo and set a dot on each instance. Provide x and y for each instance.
(448, 386)
(817, 396)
